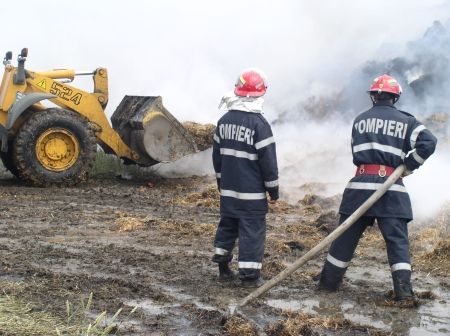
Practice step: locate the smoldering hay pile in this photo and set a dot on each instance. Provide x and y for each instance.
(202, 134)
(423, 70)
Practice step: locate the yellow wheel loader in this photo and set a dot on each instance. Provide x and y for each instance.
(57, 145)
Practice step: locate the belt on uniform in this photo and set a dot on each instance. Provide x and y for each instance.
(374, 169)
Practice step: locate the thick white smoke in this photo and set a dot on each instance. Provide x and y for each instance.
(190, 52)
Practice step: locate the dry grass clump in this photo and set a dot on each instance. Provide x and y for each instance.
(303, 274)
(281, 207)
(298, 323)
(237, 326)
(308, 199)
(202, 134)
(426, 295)
(415, 302)
(390, 302)
(272, 267)
(310, 210)
(436, 261)
(11, 287)
(426, 238)
(440, 253)
(371, 238)
(208, 198)
(186, 228)
(277, 245)
(20, 318)
(432, 245)
(306, 233)
(126, 223)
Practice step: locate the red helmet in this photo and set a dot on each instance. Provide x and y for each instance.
(251, 83)
(386, 83)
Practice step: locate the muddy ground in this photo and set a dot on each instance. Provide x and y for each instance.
(148, 242)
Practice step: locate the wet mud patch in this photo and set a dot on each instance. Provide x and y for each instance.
(131, 244)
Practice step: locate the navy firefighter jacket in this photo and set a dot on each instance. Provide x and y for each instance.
(386, 136)
(245, 163)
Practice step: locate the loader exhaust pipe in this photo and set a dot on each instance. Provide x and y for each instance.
(323, 244)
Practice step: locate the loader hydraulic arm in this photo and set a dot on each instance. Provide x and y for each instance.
(90, 105)
(100, 77)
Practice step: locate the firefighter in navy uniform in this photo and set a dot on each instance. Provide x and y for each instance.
(383, 138)
(245, 163)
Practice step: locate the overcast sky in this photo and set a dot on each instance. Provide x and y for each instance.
(190, 52)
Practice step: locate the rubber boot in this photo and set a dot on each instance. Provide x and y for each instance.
(250, 278)
(225, 273)
(252, 283)
(331, 277)
(402, 285)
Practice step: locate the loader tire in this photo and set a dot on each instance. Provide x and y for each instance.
(55, 147)
(7, 159)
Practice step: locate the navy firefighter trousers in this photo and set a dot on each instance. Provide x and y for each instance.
(252, 234)
(395, 234)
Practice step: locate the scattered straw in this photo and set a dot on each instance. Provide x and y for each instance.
(371, 238)
(298, 323)
(413, 303)
(306, 233)
(440, 253)
(276, 245)
(425, 239)
(202, 134)
(11, 287)
(311, 210)
(20, 318)
(399, 304)
(426, 295)
(126, 224)
(208, 198)
(272, 267)
(179, 227)
(281, 207)
(436, 261)
(237, 326)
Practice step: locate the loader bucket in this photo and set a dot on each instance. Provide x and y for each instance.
(149, 129)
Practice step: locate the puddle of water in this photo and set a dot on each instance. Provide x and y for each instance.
(366, 320)
(181, 325)
(175, 293)
(379, 275)
(313, 306)
(12, 278)
(431, 318)
(435, 318)
(150, 307)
